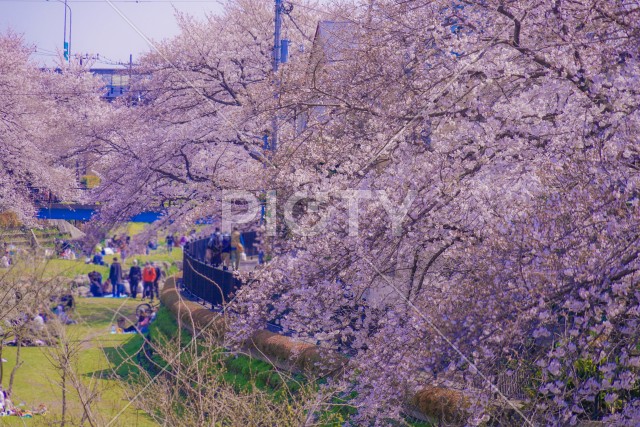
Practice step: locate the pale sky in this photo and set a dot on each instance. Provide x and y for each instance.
(96, 27)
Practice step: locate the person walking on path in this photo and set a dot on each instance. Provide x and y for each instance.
(156, 284)
(170, 242)
(135, 275)
(214, 248)
(115, 277)
(148, 277)
(226, 251)
(237, 248)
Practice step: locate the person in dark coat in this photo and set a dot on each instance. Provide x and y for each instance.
(214, 248)
(135, 275)
(95, 285)
(156, 285)
(97, 259)
(226, 251)
(115, 276)
(170, 242)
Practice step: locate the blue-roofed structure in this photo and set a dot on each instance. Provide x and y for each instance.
(80, 212)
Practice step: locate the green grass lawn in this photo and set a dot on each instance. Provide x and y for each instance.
(36, 381)
(160, 255)
(103, 360)
(72, 268)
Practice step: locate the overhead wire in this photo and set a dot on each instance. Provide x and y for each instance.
(46, 50)
(295, 24)
(117, 1)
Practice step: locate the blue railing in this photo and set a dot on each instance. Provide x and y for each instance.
(213, 285)
(206, 282)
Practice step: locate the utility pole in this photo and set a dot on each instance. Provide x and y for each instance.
(277, 42)
(280, 48)
(280, 55)
(67, 45)
(277, 35)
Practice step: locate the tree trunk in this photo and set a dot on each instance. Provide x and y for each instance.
(1, 348)
(16, 366)
(64, 397)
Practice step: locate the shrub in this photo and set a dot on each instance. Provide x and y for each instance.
(90, 181)
(9, 219)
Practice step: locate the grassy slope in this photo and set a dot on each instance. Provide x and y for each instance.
(73, 268)
(35, 381)
(242, 372)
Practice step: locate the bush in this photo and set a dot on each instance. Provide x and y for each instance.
(90, 181)
(9, 219)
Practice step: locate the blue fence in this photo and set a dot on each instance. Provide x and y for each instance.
(213, 285)
(205, 281)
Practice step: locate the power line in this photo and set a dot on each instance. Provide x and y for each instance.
(118, 1)
(41, 49)
(44, 94)
(45, 54)
(298, 27)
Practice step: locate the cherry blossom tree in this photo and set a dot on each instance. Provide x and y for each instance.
(511, 130)
(41, 112)
(490, 151)
(198, 128)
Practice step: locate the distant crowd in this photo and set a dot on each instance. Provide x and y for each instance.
(142, 281)
(226, 250)
(120, 246)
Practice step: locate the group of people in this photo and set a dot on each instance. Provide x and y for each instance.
(36, 324)
(148, 276)
(172, 240)
(226, 250)
(141, 326)
(112, 246)
(64, 249)
(6, 261)
(8, 409)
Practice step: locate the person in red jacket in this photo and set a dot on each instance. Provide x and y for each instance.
(148, 277)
